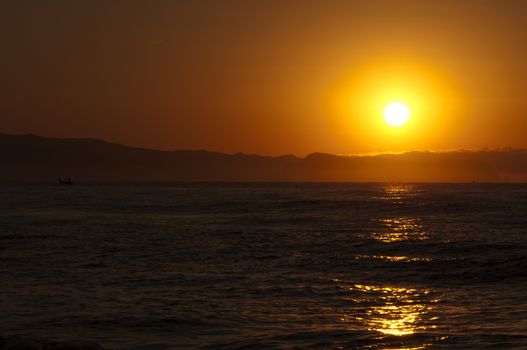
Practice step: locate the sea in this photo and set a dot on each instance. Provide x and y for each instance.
(265, 265)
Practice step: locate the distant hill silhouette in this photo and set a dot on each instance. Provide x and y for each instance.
(35, 158)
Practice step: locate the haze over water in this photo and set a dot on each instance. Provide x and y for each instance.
(266, 266)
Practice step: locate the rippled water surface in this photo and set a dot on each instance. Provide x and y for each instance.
(266, 266)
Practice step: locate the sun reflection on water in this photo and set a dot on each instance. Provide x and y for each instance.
(395, 320)
(399, 229)
(393, 258)
(395, 311)
(397, 193)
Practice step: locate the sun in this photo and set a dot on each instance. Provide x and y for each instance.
(396, 114)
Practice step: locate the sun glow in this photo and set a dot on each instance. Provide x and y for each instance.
(394, 104)
(396, 114)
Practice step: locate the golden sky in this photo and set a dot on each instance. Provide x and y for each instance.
(267, 77)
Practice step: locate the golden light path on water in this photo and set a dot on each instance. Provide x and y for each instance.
(400, 229)
(396, 229)
(396, 193)
(393, 310)
(400, 312)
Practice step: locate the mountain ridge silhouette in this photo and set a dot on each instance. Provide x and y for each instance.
(36, 158)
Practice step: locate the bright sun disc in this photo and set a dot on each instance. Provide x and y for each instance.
(396, 114)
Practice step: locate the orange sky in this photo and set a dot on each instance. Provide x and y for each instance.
(267, 77)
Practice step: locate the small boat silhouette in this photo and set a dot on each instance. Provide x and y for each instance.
(67, 181)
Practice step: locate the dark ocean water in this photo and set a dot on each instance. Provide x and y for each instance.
(266, 266)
